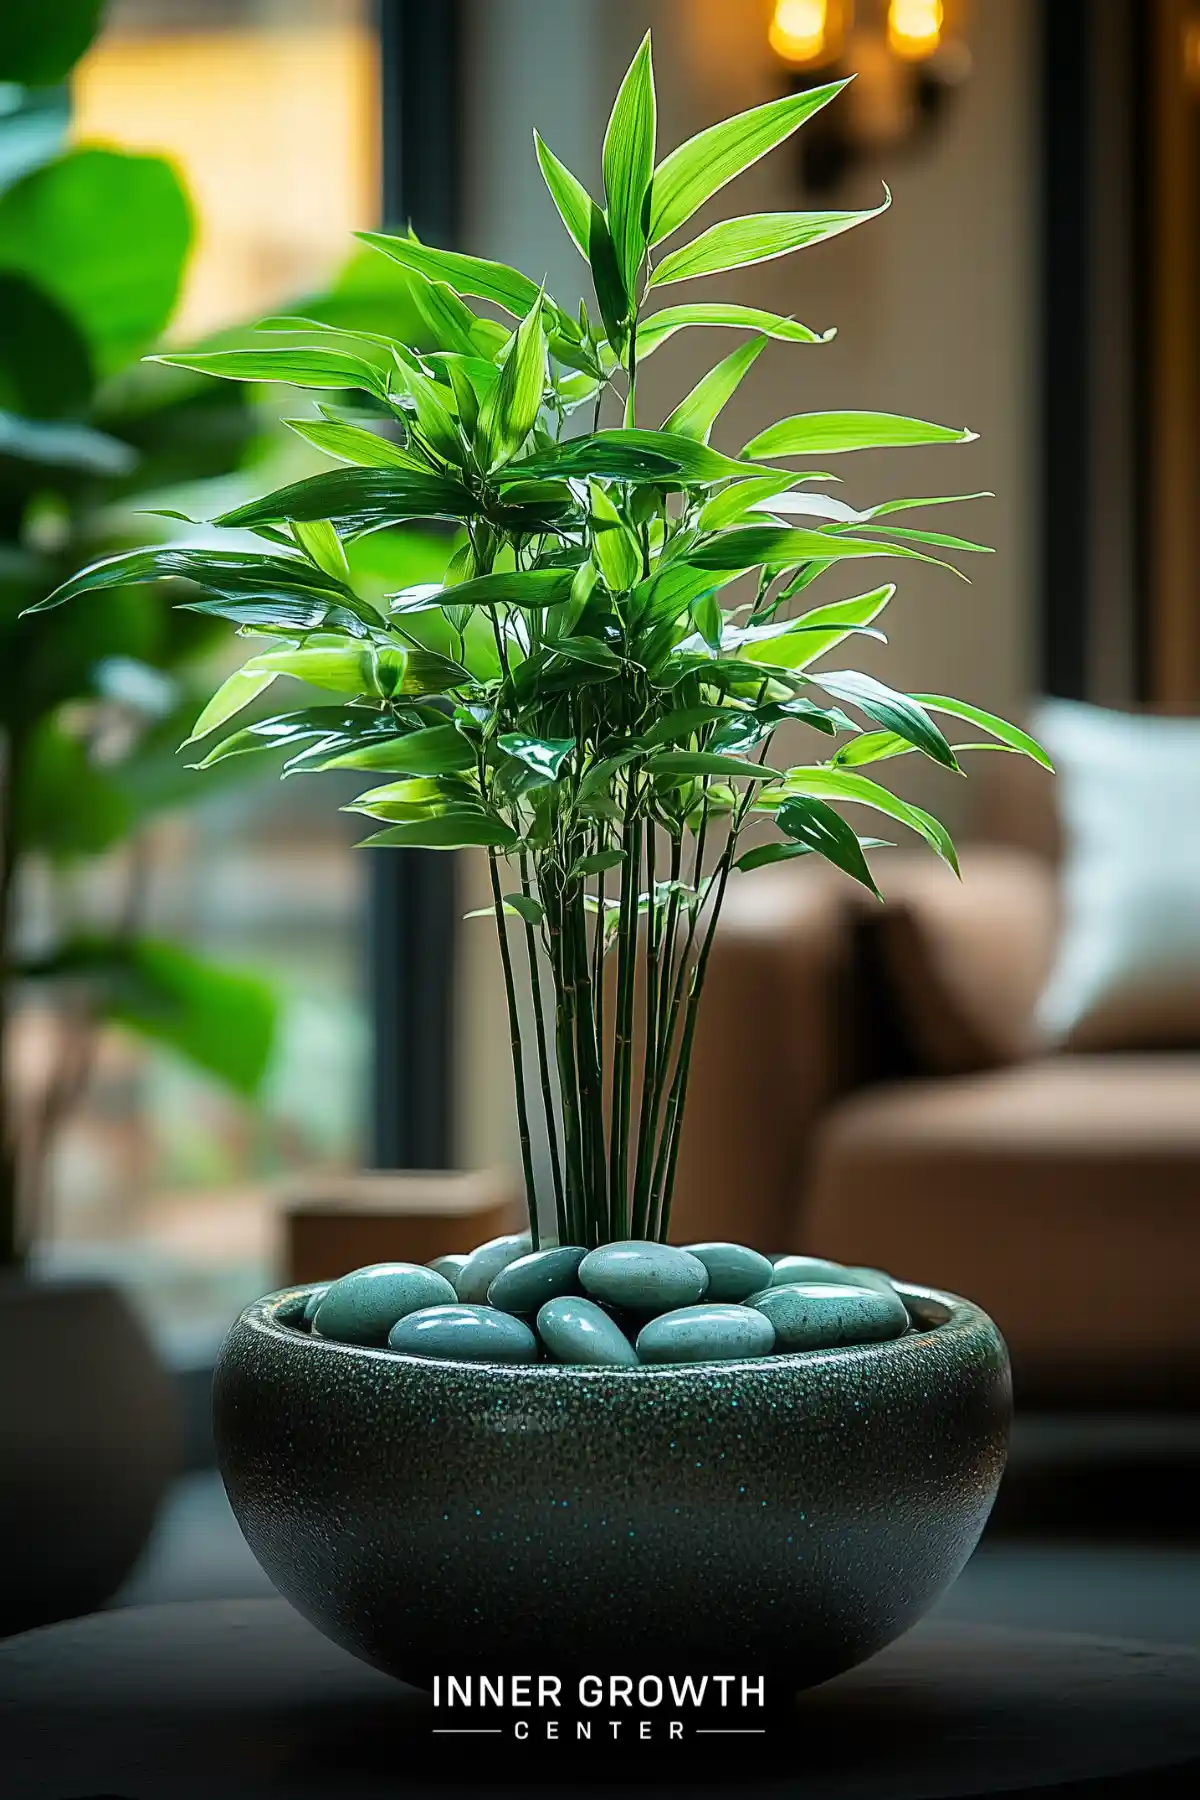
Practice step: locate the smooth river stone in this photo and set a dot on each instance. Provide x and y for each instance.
(823, 1315)
(644, 1277)
(314, 1300)
(716, 1333)
(578, 1331)
(363, 1306)
(734, 1271)
(451, 1265)
(789, 1269)
(464, 1334)
(876, 1278)
(485, 1263)
(532, 1280)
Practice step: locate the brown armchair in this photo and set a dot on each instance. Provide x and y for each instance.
(869, 1086)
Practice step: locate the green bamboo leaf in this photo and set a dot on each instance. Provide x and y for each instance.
(308, 368)
(759, 237)
(820, 630)
(428, 412)
(670, 590)
(740, 498)
(512, 587)
(940, 539)
(433, 750)
(660, 326)
(876, 746)
(248, 579)
(449, 321)
(843, 784)
(831, 434)
(353, 444)
(525, 907)
(572, 199)
(510, 411)
(702, 166)
(678, 726)
(709, 762)
(819, 828)
(322, 545)
(322, 727)
(596, 863)
(895, 712)
(629, 145)
(631, 455)
(611, 297)
(358, 500)
(895, 506)
(383, 672)
(446, 831)
(615, 548)
(545, 756)
(475, 275)
(782, 546)
(236, 692)
(696, 415)
(1011, 735)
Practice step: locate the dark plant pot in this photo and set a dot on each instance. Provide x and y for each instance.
(88, 1442)
(787, 1517)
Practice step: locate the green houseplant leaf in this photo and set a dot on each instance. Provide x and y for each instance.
(830, 434)
(106, 234)
(737, 243)
(628, 165)
(700, 168)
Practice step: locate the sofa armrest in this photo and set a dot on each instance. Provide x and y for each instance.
(964, 962)
(770, 1054)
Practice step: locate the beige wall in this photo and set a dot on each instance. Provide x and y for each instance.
(933, 304)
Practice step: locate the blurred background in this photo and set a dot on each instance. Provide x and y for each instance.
(220, 1013)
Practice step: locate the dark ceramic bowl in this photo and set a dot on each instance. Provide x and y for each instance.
(788, 1516)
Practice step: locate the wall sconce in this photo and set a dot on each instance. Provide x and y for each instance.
(907, 55)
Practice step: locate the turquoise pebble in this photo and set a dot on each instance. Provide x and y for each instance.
(733, 1270)
(485, 1263)
(643, 1276)
(578, 1331)
(821, 1315)
(464, 1334)
(542, 1275)
(790, 1269)
(314, 1300)
(450, 1265)
(363, 1306)
(706, 1333)
(876, 1278)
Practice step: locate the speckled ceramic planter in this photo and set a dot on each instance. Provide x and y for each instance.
(787, 1516)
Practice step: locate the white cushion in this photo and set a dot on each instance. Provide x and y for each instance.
(1127, 974)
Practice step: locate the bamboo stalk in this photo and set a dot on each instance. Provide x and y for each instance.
(535, 984)
(514, 1027)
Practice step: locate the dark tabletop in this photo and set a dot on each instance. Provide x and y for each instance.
(242, 1700)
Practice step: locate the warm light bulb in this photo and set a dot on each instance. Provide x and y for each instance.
(799, 31)
(915, 27)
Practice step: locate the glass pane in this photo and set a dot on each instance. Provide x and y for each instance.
(270, 113)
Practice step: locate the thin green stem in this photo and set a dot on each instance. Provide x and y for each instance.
(548, 1107)
(622, 1084)
(518, 1059)
(650, 1046)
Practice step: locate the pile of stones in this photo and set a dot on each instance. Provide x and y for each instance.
(624, 1304)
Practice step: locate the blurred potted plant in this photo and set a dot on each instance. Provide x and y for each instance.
(576, 698)
(93, 243)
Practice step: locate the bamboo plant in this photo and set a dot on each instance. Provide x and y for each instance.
(594, 692)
